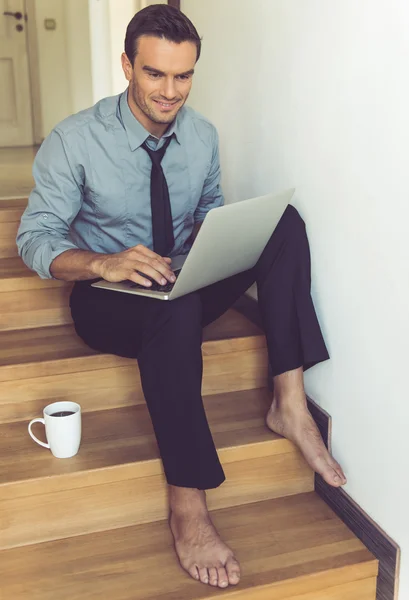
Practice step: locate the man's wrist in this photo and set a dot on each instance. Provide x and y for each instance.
(96, 264)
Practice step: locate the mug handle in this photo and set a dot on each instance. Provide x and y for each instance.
(32, 434)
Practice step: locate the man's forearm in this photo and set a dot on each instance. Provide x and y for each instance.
(79, 265)
(76, 265)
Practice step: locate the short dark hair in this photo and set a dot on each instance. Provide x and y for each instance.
(162, 21)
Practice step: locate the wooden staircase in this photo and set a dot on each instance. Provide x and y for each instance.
(95, 526)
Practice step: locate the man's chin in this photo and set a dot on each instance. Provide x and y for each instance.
(164, 120)
(165, 116)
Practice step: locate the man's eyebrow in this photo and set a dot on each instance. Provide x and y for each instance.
(157, 72)
(152, 70)
(190, 72)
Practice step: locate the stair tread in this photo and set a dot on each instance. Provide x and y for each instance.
(14, 267)
(294, 544)
(123, 436)
(11, 209)
(61, 342)
(15, 276)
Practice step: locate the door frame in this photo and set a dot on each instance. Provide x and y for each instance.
(34, 71)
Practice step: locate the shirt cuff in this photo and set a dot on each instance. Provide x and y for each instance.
(46, 252)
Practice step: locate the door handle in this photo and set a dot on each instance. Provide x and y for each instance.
(16, 15)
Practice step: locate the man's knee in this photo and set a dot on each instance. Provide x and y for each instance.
(185, 312)
(292, 224)
(294, 217)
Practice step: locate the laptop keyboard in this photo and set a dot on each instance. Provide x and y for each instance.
(155, 287)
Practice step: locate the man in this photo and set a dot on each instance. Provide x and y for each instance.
(95, 213)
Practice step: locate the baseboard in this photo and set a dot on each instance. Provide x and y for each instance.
(375, 539)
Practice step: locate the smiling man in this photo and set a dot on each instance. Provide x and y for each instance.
(120, 189)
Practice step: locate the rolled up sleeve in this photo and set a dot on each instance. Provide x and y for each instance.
(52, 206)
(212, 195)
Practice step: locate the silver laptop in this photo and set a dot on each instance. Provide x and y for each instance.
(230, 241)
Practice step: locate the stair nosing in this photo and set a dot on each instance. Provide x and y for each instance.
(97, 361)
(132, 470)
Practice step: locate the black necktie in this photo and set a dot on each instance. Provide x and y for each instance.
(162, 225)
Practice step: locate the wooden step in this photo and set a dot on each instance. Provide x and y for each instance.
(11, 209)
(38, 366)
(292, 547)
(35, 308)
(44, 498)
(16, 277)
(26, 301)
(10, 215)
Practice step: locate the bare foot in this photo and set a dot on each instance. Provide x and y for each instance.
(198, 546)
(297, 425)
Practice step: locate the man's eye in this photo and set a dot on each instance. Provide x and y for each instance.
(183, 77)
(154, 75)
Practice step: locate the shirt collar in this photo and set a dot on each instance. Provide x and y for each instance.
(135, 131)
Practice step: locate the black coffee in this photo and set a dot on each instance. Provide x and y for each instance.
(62, 413)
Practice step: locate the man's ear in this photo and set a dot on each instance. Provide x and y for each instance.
(126, 66)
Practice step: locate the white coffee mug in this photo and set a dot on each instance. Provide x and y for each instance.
(63, 431)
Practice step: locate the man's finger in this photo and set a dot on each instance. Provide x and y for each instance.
(146, 269)
(137, 278)
(161, 268)
(147, 252)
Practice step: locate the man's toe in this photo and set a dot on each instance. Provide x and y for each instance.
(233, 571)
(213, 580)
(193, 572)
(222, 576)
(340, 473)
(204, 575)
(332, 477)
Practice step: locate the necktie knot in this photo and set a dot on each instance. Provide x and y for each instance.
(156, 156)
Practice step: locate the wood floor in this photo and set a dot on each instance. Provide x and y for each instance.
(95, 526)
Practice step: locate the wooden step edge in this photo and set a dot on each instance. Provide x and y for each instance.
(310, 585)
(136, 470)
(48, 317)
(294, 570)
(94, 362)
(362, 589)
(12, 208)
(27, 282)
(69, 513)
(16, 277)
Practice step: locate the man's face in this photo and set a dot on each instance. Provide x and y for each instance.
(161, 78)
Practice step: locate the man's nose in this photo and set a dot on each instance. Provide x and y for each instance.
(168, 90)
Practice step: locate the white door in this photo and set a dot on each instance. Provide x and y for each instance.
(15, 101)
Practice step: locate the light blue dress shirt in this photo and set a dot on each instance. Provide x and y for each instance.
(92, 183)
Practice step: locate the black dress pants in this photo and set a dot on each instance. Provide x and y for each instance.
(166, 336)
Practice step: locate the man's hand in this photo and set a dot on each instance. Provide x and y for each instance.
(125, 265)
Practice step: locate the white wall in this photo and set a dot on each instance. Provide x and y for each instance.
(315, 94)
(120, 13)
(79, 53)
(108, 22)
(53, 60)
(64, 59)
